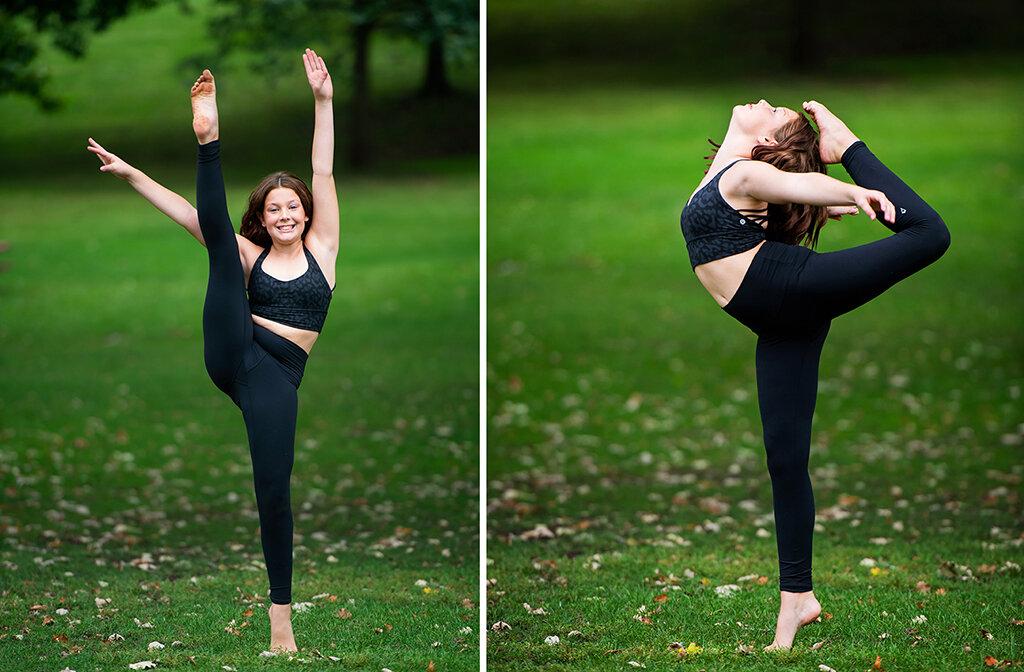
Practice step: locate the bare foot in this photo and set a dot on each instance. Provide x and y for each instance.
(204, 108)
(796, 611)
(835, 137)
(281, 636)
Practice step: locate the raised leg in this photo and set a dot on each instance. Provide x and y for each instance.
(834, 283)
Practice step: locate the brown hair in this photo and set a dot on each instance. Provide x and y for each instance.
(252, 221)
(796, 152)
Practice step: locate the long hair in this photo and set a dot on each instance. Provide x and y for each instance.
(796, 152)
(252, 221)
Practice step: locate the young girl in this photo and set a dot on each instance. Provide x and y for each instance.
(256, 346)
(764, 194)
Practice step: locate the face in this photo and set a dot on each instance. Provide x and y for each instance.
(761, 120)
(283, 215)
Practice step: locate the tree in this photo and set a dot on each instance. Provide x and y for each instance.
(267, 28)
(445, 28)
(24, 23)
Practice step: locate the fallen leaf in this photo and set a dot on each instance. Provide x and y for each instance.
(661, 598)
(247, 613)
(878, 664)
(985, 634)
(552, 640)
(343, 613)
(143, 665)
(825, 668)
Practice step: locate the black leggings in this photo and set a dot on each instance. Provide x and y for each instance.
(258, 369)
(788, 298)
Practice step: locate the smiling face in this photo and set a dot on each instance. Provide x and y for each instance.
(761, 120)
(283, 216)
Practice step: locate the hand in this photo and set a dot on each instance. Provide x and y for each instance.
(319, 78)
(837, 211)
(864, 198)
(111, 163)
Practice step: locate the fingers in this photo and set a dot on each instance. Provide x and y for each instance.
(885, 207)
(313, 62)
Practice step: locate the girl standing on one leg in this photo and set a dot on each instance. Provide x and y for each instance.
(764, 194)
(256, 346)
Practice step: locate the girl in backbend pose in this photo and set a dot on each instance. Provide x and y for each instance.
(256, 347)
(763, 195)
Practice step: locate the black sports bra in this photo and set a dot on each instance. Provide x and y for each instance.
(301, 303)
(713, 229)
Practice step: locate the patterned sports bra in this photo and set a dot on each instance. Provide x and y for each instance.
(301, 302)
(713, 229)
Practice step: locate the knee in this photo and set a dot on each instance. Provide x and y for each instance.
(272, 493)
(940, 237)
(786, 464)
(934, 237)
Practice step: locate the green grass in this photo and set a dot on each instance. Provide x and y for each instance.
(622, 412)
(125, 474)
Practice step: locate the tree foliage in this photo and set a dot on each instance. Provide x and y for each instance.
(66, 23)
(269, 30)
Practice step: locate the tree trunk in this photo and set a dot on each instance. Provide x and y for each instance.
(435, 81)
(359, 117)
(804, 53)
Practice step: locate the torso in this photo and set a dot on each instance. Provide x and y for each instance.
(285, 268)
(722, 277)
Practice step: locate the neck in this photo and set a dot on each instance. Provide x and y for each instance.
(293, 249)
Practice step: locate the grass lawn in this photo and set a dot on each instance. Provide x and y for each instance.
(125, 473)
(622, 412)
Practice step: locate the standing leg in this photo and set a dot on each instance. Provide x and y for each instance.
(787, 386)
(270, 407)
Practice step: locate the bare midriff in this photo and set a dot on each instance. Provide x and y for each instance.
(722, 277)
(304, 338)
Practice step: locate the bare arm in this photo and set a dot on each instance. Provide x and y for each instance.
(165, 200)
(764, 182)
(325, 232)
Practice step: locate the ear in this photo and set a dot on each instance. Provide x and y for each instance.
(767, 140)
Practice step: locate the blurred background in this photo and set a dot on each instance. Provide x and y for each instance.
(116, 452)
(626, 472)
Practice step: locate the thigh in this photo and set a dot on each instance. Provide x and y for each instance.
(270, 410)
(787, 388)
(830, 284)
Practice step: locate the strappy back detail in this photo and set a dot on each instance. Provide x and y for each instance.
(713, 229)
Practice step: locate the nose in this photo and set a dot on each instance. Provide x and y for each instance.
(762, 102)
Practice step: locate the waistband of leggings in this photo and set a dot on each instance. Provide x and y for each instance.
(288, 354)
(781, 252)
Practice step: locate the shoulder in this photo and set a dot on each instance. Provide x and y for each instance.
(735, 179)
(249, 252)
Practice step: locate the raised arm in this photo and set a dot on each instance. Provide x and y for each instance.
(324, 233)
(764, 182)
(165, 200)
